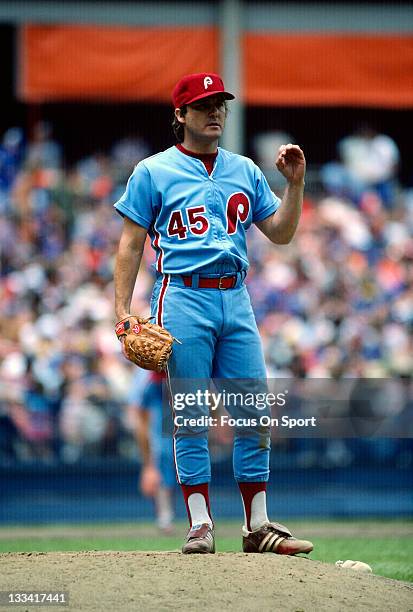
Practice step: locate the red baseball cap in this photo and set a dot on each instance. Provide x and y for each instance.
(194, 87)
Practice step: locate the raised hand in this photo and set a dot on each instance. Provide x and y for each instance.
(291, 163)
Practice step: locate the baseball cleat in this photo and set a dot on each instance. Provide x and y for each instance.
(200, 540)
(276, 538)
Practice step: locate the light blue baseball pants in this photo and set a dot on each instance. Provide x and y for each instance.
(220, 340)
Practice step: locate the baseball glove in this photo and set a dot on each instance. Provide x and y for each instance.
(147, 345)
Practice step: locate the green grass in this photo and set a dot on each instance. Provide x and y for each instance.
(76, 544)
(389, 556)
(392, 558)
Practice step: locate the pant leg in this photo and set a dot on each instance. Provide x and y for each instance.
(239, 357)
(161, 443)
(191, 317)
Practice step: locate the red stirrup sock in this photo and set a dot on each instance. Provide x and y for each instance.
(255, 504)
(196, 499)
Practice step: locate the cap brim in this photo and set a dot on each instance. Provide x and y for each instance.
(228, 96)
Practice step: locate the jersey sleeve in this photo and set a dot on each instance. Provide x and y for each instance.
(137, 201)
(266, 202)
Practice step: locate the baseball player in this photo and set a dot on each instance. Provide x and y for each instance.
(196, 201)
(157, 478)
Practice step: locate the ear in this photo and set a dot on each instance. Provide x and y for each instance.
(178, 115)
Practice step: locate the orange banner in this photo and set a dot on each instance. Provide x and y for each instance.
(329, 70)
(115, 63)
(143, 64)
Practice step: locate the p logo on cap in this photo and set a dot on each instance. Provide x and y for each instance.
(194, 87)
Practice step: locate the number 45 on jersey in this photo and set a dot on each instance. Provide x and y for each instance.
(238, 207)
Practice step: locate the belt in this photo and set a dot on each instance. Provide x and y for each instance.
(223, 282)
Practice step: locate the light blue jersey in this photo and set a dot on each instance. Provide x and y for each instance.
(196, 220)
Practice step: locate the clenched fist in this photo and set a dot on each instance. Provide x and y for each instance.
(291, 163)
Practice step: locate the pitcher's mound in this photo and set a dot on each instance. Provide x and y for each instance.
(126, 581)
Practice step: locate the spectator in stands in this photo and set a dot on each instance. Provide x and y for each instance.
(42, 150)
(368, 162)
(11, 156)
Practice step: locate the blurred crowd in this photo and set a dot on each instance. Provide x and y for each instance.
(337, 302)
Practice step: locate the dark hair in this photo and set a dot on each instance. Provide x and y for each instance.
(178, 128)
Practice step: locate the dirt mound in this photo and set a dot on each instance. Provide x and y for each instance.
(126, 581)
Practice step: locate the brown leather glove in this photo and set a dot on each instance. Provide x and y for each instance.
(147, 345)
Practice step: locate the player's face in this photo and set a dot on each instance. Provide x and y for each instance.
(205, 119)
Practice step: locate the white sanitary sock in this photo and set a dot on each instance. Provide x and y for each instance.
(198, 510)
(258, 511)
(164, 508)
